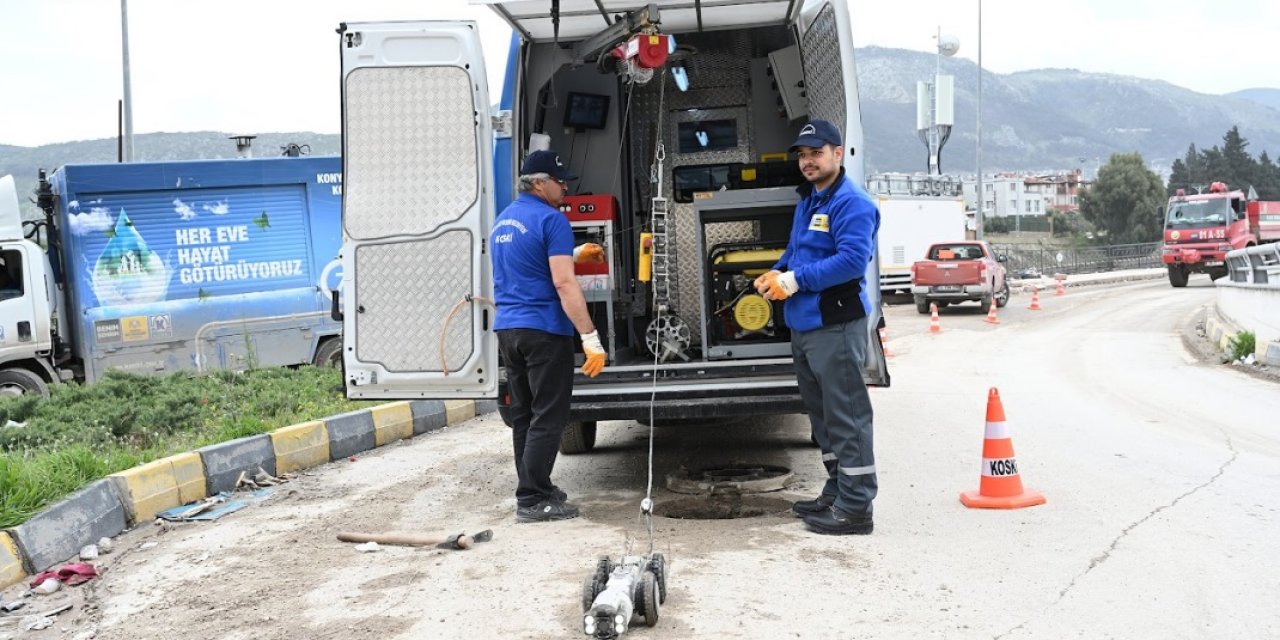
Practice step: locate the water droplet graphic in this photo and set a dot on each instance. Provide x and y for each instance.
(128, 272)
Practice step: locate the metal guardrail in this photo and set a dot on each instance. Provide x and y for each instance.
(1258, 265)
(1022, 261)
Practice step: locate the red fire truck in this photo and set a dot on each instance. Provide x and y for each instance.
(1200, 229)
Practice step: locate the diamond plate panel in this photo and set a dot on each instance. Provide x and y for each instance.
(822, 69)
(720, 77)
(411, 150)
(406, 290)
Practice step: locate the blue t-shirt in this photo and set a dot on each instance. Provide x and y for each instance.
(524, 236)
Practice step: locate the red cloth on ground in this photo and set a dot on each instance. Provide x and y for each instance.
(70, 574)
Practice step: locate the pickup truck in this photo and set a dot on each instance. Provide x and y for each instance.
(957, 272)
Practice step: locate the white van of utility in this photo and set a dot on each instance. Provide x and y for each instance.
(677, 115)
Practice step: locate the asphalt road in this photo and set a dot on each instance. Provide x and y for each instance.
(1161, 474)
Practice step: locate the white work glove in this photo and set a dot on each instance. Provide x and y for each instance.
(594, 351)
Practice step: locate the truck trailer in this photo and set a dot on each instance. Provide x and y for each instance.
(156, 267)
(908, 226)
(677, 116)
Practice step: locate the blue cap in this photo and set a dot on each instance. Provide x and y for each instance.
(816, 134)
(547, 162)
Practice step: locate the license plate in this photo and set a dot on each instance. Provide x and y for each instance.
(947, 288)
(1213, 264)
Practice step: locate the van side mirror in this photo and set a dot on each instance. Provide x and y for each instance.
(1002, 258)
(1160, 212)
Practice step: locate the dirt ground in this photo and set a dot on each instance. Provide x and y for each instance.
(1159, 506)
(275, 569)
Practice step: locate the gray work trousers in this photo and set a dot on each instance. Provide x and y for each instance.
(829, 364)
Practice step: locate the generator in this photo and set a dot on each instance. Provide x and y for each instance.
(744, 233)
(741, 315)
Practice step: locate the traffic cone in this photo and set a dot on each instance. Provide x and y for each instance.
(1001, 486)
(1035, 299)
(935, 327)
(884, 344)
(991, 314)
(1061, 290)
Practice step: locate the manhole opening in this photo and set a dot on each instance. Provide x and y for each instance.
(722, 507)
(737, 479)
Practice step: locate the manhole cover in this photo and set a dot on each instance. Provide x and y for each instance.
(722, 507)
(736, 479)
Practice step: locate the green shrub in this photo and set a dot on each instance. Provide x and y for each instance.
(1242, 344)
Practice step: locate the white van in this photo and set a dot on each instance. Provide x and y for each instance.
(677, 115)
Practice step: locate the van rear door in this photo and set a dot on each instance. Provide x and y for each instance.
(417, 207)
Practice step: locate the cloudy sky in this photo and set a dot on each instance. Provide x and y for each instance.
(272, 65)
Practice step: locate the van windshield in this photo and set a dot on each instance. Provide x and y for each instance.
(1198, 215)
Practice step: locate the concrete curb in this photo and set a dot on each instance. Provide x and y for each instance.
(1221, 332)
(59, 532)
(107, 507)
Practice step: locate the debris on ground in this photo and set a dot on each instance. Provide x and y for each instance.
(259, 480)
(89, 552)
(37, 621)
(368, 547)
(210, 508)
(73, 574)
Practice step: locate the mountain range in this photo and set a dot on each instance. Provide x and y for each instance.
(1046, 119)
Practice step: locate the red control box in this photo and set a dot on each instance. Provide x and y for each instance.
(597, 208)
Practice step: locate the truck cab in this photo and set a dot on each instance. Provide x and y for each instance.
(677, 116)
(27, 303)
(1200, 229)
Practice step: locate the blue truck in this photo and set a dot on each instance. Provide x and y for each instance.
(169, 266)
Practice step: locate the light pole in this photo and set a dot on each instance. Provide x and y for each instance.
(127, 148)
(982, 197)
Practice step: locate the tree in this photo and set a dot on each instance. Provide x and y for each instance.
(1123, 201)
(1267, 178)
(1238, 165)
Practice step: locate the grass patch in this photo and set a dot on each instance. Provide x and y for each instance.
(86, 432)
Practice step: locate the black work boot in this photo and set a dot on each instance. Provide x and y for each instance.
(546, 511)
(808, 507)
(833, 521)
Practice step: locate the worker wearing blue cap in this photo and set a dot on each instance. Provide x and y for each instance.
(821, 278)
(540, 304)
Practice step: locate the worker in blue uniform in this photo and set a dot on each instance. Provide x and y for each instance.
(539, 305)
(821, 278)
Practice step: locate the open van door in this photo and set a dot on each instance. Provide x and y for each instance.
(824, 30)
(417, 207)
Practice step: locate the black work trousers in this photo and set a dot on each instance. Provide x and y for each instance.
(540, 380)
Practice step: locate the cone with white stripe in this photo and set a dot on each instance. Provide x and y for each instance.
(1001, 486)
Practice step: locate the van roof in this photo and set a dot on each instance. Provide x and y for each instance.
(583, 18)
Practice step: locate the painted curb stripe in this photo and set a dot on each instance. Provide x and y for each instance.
(300, 446)
(456, 411)
(391, 422)
(11, 571)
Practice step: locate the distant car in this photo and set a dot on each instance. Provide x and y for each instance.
(1028, 273)
(959, 272)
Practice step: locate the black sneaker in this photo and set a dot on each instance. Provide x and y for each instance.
(558, 495)
(546, 511)
(833, 521)
(808, 507)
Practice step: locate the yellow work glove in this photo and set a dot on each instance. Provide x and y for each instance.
(776, 285)
(588, 252)
(595, 354)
